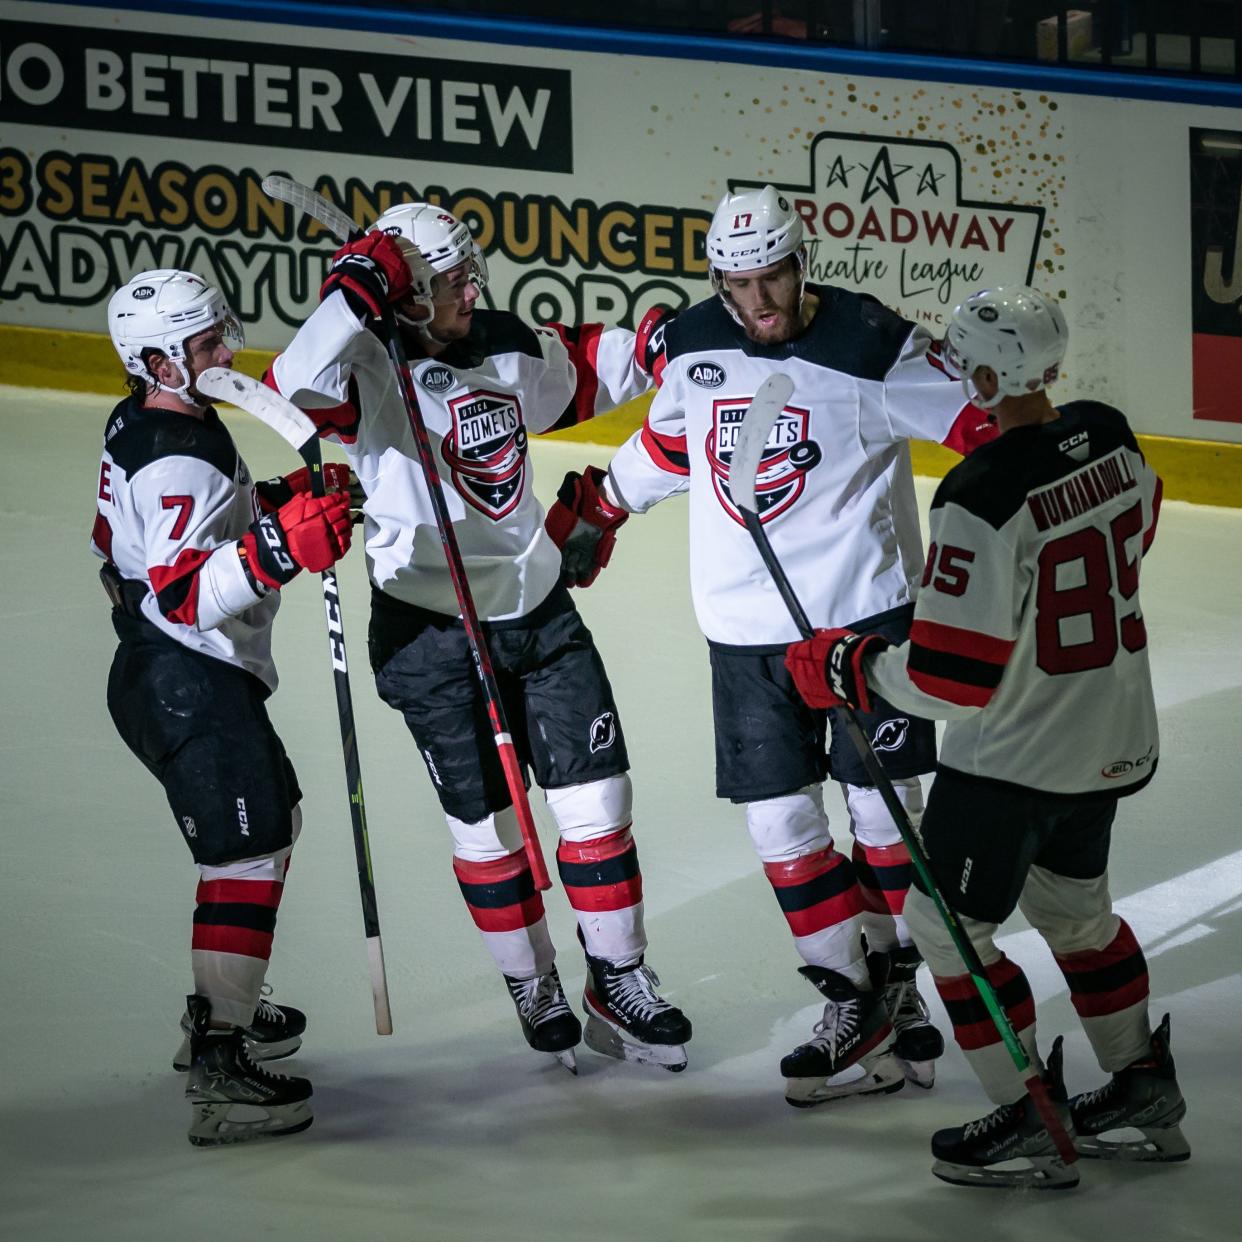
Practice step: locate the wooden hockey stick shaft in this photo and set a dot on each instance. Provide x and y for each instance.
(288, 421)
(757, 423)
(342, 227)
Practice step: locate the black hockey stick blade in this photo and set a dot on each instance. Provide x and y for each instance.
(266, 404)
(752, 438)
(305, 200)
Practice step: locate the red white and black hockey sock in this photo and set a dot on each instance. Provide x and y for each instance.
(976, 1033)
(881, 859)
(823, 906)
(508, 911)
(1109, 988)
(883, 873)
(234, 921)
(604, 885)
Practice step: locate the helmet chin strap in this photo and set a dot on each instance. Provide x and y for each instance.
(972, 395)
(183, 392)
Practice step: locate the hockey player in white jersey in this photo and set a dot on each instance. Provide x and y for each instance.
(837, 499)
(194, 556)
(1028, 638)
(484, 381)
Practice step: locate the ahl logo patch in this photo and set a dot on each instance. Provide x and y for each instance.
(436, 379)
(891, 735)
(603, 732)
(706, 375)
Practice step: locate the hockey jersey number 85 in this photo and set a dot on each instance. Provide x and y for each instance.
(1028, 633)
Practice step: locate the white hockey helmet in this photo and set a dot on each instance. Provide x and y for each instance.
(442, 241)
(750, 230)
(161, 310)
(1016, 330)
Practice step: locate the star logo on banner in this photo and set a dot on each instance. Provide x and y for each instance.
(883, 177)
(930, 180)
(838, 174)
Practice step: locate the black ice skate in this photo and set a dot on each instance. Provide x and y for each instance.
(1011, 1146)
(628, 1020)
(547, 1020)
(274, 1032)
(917, 1043)
(234, 1099)
(1145, 1097)
(853, 1042)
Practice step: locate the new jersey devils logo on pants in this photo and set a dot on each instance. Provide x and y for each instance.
(486, 451)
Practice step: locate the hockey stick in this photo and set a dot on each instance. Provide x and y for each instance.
(340, 225)
(757, 424)
(284, 418)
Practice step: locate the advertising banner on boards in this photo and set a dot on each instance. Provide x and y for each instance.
(589, 180)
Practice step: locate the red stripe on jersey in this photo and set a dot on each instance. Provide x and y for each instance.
(234, 892)
(507, 918)
(958, 692)
(1150, 533)
(970, 429)
(341, 420)
(586, 362)
(955, 641)
(221, 938)
(101, 535)
(176, 585)
(668, 452)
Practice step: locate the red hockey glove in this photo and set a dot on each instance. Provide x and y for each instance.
(310, 532)
(827, 669)
(337, 477)
(372, 273)
(584, 526)
(649, 340)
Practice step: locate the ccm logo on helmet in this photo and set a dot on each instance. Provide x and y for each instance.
(706, 375)
(143, 292)
(436, 379)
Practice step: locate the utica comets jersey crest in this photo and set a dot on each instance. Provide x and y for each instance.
(486, 451)
(789, 455)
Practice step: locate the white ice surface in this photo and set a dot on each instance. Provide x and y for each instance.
(452, 1128)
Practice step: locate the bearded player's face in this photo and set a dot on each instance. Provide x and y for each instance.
(766, 301)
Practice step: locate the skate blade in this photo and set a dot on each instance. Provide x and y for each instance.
(882, 1077)
(1157, 1146)
(214, 1127)
(919, 1073)
(609, 1042)
(258, 1052)
(568, 1058)
(1023, 1173)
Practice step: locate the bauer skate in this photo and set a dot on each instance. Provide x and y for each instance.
(1011, 1146)
(917, 1043)
(852, 1044)
(233, 1099)
(547, 1020)
(274, 1032)
(1145, 1097)
(628, 1020)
